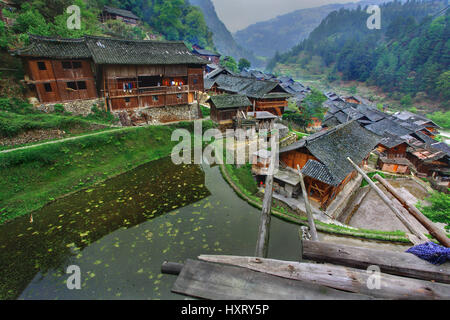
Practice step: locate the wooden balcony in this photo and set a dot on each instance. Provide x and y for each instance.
(148, 91)
(271, 104)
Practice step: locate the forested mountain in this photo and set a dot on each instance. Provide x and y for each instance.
(285, 31)
(223, 39)
(409, 54)
(167, 19)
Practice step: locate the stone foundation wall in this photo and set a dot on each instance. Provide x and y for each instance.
(158, 115)
(78, 107)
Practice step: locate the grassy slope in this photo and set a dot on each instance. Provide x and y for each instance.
(31, 178)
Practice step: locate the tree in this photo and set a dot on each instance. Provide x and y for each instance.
(244, 64)
(229, 63)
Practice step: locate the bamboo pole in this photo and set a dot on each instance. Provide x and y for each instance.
(312, 225)
(390, 204)
(262, 246)
(427, 223)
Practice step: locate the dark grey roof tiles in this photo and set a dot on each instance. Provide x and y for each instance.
(111, 51)
(120, 12)
(318, 171)
(230, 101)
(332, 148)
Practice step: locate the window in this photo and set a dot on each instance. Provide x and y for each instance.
(48, 87)
(41, 65)
(127, 100)
(66, 65)
(72, 85)
(71, 64)
(155, 98)
(81, 85)
(195, 81)
(179, 96)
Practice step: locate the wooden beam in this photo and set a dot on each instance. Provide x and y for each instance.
(422, 238)
(171, 268)
(219, 282)
(427, 223)
(339, 277)
(396, 263)
(262, 245)
(312, 225)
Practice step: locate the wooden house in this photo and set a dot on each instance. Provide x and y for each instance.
(59, 70)
(392, 150)
(429, 160)
(264, 95)
(227, 107)
(128, 74)
(322, 157)
(211, 57)
(111, 13)
(431, 127)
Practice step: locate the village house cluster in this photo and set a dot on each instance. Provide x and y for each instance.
(163, 81)
(407, 142)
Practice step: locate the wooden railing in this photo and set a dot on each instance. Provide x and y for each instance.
(148, 91)
(273, 104)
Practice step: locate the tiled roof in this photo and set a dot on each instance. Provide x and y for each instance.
(116, 51)
(414, 118)
(229, 101)
(332, 147)
(205, 52)
(391, 141)
(120, 12)
(387, 125)
(318, 171)
(111, 51)
(250, 87)
(55, 48)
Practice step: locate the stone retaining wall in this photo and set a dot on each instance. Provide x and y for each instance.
(78, 107)
(158, 115)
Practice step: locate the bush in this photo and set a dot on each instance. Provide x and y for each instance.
(16, 105)
(59, 108)
(439, 211)
(101, 115)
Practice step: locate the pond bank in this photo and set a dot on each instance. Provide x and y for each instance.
(120, 232)
(32, 178)
(293, 217)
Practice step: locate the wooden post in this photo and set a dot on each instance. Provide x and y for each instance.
(171, 268)
(262, 246)
(427, 223)
(312, 225)
(391, 206)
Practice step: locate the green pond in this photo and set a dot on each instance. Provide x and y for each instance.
(119, 233)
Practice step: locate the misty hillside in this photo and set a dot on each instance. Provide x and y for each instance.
(285, 31)
(222, 37)
(408, 55)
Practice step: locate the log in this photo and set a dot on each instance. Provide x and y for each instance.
(219, 282)
(262, 245)
(391, 206)
(341, 278)
(171, 268)
(396, 263)
(437, 233)
(312, 225)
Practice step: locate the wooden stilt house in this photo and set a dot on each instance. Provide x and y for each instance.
(228, 107)
(322, 157)
(128, 74)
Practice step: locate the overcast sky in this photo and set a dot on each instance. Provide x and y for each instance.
(238, 14)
